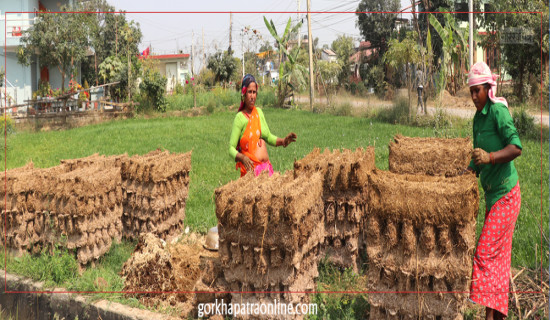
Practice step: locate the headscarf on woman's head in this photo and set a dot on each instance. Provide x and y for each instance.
(247, 80)
(480, 73)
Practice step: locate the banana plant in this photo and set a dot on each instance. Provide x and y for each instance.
(455, 42)
(291, 73)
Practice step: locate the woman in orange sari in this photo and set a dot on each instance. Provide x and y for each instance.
(250, 133)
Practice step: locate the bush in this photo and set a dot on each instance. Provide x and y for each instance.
(398, 113)
(7, 125)
(153, 89)
(343, 109)
(178, 89)
(525, 124)
(357, 88)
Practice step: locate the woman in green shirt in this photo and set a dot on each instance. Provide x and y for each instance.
(250, 133)
(496, 145)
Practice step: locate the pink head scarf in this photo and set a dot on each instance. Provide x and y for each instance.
(480, 73)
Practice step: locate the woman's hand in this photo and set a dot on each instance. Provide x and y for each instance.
(248, 164)
(291, 137)
(480, 156)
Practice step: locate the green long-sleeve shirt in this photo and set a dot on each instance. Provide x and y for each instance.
(493, 130)
(239, 125)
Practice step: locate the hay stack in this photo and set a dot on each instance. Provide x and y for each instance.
(150, 269)
(420, 237)
(79, 209)
(171, 273)
(95, 159)
(270, 231)
(155, 187)
(88, 204)
(430, 156)
(345, 188)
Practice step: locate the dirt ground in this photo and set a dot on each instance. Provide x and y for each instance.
(460, 105)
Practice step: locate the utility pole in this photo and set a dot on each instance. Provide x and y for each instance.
(471, 35)
(242, 48)
(310, 48)
(203, 54)
(230, 30)
(192, 52)
(297, 21)
(116, 36)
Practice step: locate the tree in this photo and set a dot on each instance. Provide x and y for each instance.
(343, 47)
(454, 57)
(223, 65)
(521, 59)
(106, 37)
(404, 53)
(291, 73)
(58, 40)
(377, 27)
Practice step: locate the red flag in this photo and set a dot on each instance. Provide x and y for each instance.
(145, 52)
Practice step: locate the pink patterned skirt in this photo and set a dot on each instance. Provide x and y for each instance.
(264, 166)
(491, 272)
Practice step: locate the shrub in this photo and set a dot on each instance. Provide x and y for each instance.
(525, 124)
(153, 89)
(357, 88)
(398, 113)
(343, 109)
(178, 89)
(7, 125)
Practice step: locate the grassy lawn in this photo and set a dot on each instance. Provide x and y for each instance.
(212, 167)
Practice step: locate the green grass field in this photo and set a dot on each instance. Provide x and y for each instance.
(207, 137)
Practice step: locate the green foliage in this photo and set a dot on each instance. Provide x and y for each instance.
(525, 124)
(291, 73)
(153, 89)
(403, 54)
(519, 60)
(104, 26)
(376, 27)
(218, 97)
(7, 126)
(455, 41)
(223, 65)
(110, 69)
(375, 79)
(207, 77)
(54, 266)
(357, 88)
(397, 114)
(58, 40)
(328, 72)
(343, 47)
(339, 305)
(207, 135)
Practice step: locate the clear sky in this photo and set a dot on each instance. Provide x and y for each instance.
(171, 31)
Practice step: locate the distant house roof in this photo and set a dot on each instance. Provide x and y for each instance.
(168, 56)
(329, 52)
(364, 50)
